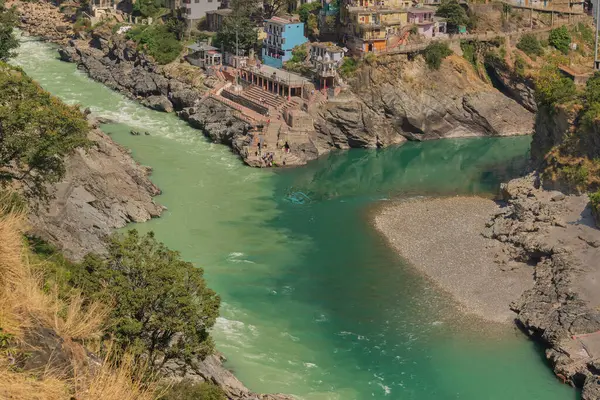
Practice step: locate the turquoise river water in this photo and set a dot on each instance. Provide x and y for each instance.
(314, 303)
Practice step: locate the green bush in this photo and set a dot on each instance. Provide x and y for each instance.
(299, 54)
(530, 45)
(595, 199)
(435, 53)
(553, 88)
(306, 9)
(157, 41)
(348, 67)
(469, 52)
(560, 38)
(162, 308)
(186, 390)
(575, 175)
(519, 66)
(9, 19)
(38, 131)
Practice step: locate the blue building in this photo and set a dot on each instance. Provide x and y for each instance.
(282, 36)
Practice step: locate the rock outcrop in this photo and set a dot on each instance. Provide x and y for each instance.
(103, 189)
(394, 99)
(555, 234)
(211, 370)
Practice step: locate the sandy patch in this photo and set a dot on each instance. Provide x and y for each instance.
(442, 238)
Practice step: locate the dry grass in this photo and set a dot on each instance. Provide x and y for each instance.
(121, 381)
(25, 307)
(21, 386)
(22, 302)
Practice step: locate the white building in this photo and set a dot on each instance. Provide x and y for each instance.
(195, 10)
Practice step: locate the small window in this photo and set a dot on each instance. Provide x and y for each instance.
(196, 1)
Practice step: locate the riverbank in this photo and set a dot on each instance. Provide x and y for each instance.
(454, 254)
(537, 256)
(386, 103)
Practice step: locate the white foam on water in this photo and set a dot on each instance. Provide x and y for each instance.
(309, 365)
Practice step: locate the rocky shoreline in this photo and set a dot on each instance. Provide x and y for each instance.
(387, 103)
(540, 247)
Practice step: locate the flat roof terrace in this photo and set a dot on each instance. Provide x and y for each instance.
(278, 75)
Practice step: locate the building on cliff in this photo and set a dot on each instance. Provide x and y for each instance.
(369, 25)
(283, 34)
(326, 58)
(380, 25)
(194, 10)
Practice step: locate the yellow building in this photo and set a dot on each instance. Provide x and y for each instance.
(370, 24)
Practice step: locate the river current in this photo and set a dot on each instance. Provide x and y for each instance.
(314, 302)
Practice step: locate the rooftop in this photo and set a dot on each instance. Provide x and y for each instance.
(284, 20)
(327, 45)
(372, 10)
(279, 75)
(421, 10)
(201, 47)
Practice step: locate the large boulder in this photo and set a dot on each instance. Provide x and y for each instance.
(158, 103)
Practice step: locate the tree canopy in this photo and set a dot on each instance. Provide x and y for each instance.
(435, 53)
(247, 34)
(36, 131)
(552, 88)
(530, 45)
(162, 307)
(8, 41)
(454, 13)
(560, 38)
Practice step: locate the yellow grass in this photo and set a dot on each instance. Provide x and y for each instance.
(122, 381)
(21, 386)
(25, 306)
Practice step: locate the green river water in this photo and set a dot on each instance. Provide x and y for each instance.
(314, 303)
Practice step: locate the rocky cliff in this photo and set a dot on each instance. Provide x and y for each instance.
(391, 101)
(394, 99)
(555, 234)
(103, 190)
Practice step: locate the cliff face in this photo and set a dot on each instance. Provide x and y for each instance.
(397, 99)
(103, 190)
(389, 102)
(554, 233)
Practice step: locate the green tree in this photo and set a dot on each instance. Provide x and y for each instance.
(307, 9)
(454, 13)
(552, 87)
(237, 28)
(147, 8)
(162, 307)
(435, 53)
(560, 38)
(37, 131)
(8, 41)
(157, 41)
(530, 45)
(592, 90)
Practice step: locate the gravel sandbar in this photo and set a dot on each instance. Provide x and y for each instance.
(442, 238)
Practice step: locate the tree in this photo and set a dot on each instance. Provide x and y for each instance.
(162, 307)
(592, 90)
(453, 12)
(307, 9)
(553, 88)
(147, 8)
(560, 38)
(435, 53)
(274, 7)
(237, 29)
(8, 41)
(36, 131)
(530, 45)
